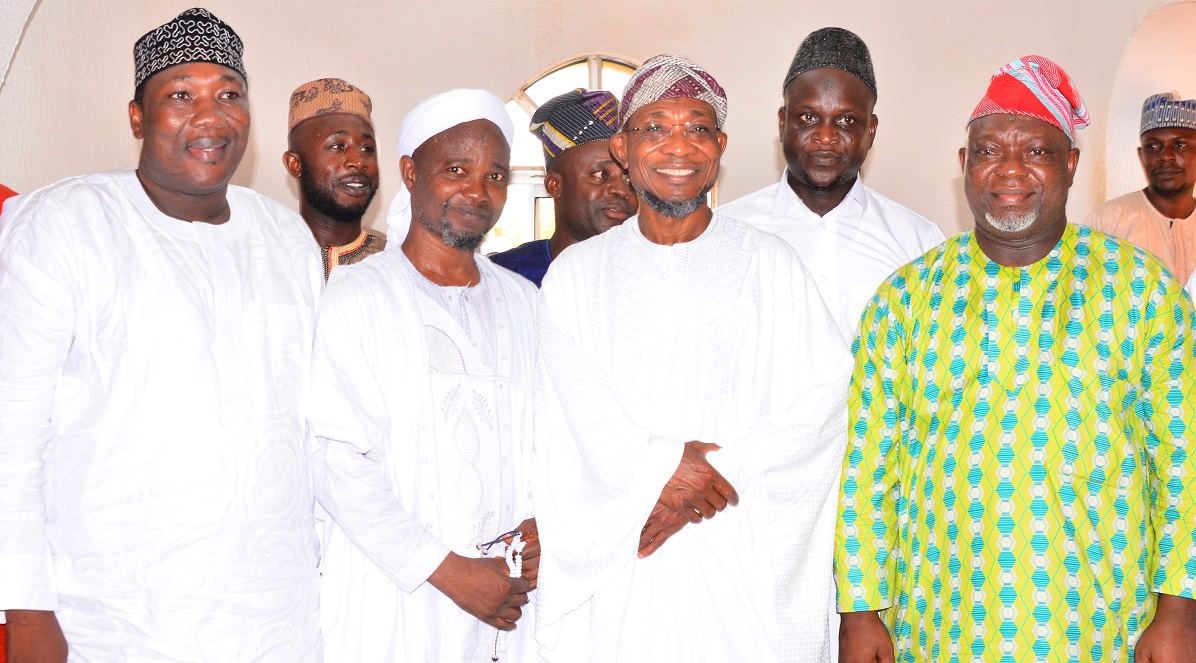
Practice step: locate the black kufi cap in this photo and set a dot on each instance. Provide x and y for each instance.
(833, 48)
(195, 35)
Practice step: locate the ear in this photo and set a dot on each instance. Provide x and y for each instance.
(963, 155)
(872, 124)
(293, 163)
(1073, 160)
(135, 119)
(781, 122)
(618, 148)
(553, 184)
(407, 172)
(722, 142)
(1141, 158)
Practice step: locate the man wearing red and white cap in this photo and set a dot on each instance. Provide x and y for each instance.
(1018, 482)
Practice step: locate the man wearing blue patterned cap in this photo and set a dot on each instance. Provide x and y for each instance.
(155, 335)
(1160, 218)
(589, 188)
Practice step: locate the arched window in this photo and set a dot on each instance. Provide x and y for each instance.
(528, 214)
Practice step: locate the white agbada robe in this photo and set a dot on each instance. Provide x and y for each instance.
(422, 406)
(850, 250)
(154, 480)
(643, 347)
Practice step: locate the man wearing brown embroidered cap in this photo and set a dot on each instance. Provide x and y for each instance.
(333, 154)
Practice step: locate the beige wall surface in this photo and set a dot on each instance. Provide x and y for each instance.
(63, 103)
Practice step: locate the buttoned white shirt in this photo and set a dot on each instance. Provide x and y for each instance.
(851, 250)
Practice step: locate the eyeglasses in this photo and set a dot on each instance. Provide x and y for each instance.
(694, 132)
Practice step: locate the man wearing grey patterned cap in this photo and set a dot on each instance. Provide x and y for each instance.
(1160, 218)
(155, 343)
(849, 236)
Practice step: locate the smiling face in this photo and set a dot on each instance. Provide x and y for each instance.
(1168, 156)
(1016, 172)
(194, 123)
(675, 169)
(458, 182)
(827, 128)
(336, 161)
(590, 191)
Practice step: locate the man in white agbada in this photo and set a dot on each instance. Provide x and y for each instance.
(155, 334)
(848, 235)
(422, 405)
(693, 418)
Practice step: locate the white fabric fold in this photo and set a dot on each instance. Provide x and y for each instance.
(644, 347)
(423, 449)
(154, 483)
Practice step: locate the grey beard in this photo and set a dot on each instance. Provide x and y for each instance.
(469, 242)
(1013, 223)
(675, 210)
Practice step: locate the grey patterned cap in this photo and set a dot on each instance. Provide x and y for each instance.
(833, 48)
(195, 35)
(1161, 111)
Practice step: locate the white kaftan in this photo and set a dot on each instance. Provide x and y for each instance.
(851, 250)
(154, 480)
(643, 347)
(422, 408)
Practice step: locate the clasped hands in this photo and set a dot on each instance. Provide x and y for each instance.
(483, 587)
(695, 491)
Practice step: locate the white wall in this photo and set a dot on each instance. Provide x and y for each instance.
(63, 104)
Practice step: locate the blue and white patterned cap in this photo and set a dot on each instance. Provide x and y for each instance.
(1164, 110)
(195, 35)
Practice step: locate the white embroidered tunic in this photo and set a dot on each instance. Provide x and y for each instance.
(723, 339)
(154, 480)
(422, 410)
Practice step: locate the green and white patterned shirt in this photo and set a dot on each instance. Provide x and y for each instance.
(1020, 477)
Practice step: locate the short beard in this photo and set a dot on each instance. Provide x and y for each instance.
(1014, 223)
(322, 200)
(674, 210)
(459, 241)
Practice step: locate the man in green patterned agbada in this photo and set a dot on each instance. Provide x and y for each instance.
(1020, 484)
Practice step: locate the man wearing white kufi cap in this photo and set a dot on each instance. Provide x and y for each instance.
(421, 406)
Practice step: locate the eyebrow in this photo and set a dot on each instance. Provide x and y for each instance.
(694, 112)
(188, 77)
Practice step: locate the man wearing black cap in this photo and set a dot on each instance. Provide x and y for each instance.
(589, 188)
(155, 333)
(849, 236)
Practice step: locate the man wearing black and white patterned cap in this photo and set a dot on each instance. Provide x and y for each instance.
(155, 334)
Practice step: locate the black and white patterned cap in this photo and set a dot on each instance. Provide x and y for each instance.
(195, 35)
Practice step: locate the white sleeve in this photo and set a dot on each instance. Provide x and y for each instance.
(37, 315)
(350, 420)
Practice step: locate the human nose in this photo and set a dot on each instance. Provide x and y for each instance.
(825, 132)
(619, 186)
(677, 142)
(1011, 165)
(355, 158)
(208, 111)
(474, 188)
